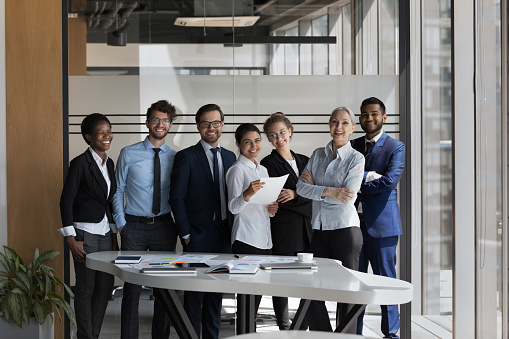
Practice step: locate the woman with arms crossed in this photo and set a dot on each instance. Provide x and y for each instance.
(332, 178)
(291, 226)
(251, 225)
(85, 206)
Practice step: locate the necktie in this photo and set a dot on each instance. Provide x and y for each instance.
(369, 148)
(217, 191)
(156, 200)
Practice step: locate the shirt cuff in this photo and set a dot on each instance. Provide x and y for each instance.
(113, 228)
(186, 236)
(67, 231)
(372, 175)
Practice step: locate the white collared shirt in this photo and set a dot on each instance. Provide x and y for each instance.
(346, 171)
(103, 226)
(252, 221)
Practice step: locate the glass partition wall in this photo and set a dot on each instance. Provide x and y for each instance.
(257, 57)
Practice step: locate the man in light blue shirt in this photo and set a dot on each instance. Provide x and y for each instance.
(145, 221)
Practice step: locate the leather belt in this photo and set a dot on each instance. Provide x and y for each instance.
(147, 220)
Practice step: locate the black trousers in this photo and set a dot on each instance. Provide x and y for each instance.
(93, 288)
(342, 244)
(240, 247)
(159, 236)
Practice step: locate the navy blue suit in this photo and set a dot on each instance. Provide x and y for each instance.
(382, 222)
(192, 197)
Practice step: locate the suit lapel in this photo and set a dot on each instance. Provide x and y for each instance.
(97, 173)
(111, 173)
(286, 165)
(204, 162)
(376, 150)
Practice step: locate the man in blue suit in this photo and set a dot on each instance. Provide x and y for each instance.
(378, 203)
(198, 199)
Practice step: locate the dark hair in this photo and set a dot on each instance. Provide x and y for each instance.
(274, 119)
(88, 124)
(373, 101)
(208, 108)
(243, 129)
(162, 106)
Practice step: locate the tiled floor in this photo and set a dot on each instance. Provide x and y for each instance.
(422, 327)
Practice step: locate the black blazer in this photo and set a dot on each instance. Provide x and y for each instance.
(192, 199)
(291, 226)
(85, 190)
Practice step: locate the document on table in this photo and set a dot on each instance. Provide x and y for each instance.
(270, 191)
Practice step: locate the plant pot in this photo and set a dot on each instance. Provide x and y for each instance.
(29, 331)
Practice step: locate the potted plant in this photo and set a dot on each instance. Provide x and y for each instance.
(30, 290)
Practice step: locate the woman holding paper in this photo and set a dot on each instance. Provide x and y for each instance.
(251, 225)
(291, 226)
(87, 222)
(332, 178)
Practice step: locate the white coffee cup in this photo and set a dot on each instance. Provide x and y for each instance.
(305, 257)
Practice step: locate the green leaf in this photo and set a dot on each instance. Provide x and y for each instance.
(36, 255)
(39, 313)
(15, 305)
(46, 256)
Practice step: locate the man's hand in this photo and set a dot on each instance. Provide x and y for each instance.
(307, 177)
(76, 247)
(339, 193)
(186, 241)
(286, 195)
(120, 229)
(272, 208)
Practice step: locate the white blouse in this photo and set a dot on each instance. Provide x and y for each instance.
(252, 221)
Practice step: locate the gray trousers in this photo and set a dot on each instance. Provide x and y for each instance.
(93, 288)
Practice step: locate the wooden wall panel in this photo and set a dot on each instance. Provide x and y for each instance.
(77, 46)
(34, 128)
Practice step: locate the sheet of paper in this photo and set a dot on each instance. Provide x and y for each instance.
(270, 191)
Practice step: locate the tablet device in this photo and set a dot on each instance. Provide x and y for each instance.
(195, 264)
(128, 259)
(288, 266)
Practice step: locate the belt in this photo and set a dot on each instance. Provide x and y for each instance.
(147, 220)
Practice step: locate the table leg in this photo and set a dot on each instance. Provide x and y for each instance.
(176, 313)
(246, 315)
(351, 318)
(301, 314)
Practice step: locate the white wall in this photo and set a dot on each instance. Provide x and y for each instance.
(3, 148)
(255, 96)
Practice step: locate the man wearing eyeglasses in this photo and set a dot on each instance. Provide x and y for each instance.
(144, 221)
(199, 203)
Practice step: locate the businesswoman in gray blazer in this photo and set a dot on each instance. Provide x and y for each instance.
(291, 226)
(85, 207)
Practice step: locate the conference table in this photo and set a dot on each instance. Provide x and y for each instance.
(331, 281)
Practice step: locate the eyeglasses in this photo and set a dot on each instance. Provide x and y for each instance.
(156, 121)
(206, 124)
(274, 136)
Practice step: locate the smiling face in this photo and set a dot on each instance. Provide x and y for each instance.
(101, 137)
(250, 145)
(279, 135)
(372, 120)
(341, 126)
(210, 134)
(158, 130)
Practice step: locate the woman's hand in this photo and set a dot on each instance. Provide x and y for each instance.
(272, 208)
(307, 177)
(76, 247)
(286, 195)
(339, 193)
(253, 187)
